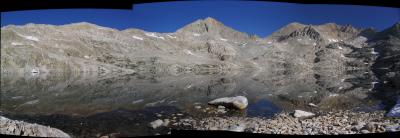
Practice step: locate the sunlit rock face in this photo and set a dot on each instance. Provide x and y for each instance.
(85, 69)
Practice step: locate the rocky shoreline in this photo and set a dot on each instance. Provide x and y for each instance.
(331, 123)
(20, 128)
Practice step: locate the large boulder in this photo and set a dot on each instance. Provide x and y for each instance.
(19, 128)
(238, 102)
(302, 114)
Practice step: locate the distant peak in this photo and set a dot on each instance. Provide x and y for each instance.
(211, 27)
(210, 20)
(203, 25)
(330, 26)
(295, 24)
(286, 30)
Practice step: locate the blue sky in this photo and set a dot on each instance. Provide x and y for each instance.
(252, 17)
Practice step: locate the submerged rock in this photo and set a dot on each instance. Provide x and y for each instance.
(238, 102)
(300, 114)
(13, 127)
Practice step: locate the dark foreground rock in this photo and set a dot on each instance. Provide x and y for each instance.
(333, 123)
(13, 127)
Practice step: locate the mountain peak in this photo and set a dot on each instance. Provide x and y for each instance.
(210, 26)
(286, 30)
(202, 25)
(211, 20)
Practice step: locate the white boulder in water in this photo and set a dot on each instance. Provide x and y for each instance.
(157, 123)
(301, 114)
(239, 102)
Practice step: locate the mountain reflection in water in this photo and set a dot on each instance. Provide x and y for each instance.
(101, 103)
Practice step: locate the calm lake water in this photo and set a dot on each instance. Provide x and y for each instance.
(93, 105)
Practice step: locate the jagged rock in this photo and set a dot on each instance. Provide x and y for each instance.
(238, 102)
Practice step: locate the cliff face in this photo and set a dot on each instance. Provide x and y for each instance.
(293, 61)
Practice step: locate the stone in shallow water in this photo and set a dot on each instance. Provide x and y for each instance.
(395, 111)
(300, 113)
(238, 102)
(237, 127)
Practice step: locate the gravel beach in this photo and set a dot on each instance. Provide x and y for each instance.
(331, 123)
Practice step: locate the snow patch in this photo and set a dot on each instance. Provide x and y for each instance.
(332, 40)
(30, 38)
(170, 36)
(341, 55)
(196, 34)
(333, 95)
(340, 47)
(136, 37)
(269, 42)
(16, 43)
(154, 35)
(189, 52)
(222, 39)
